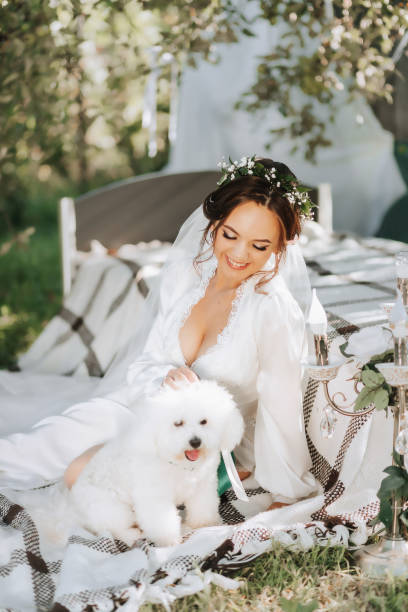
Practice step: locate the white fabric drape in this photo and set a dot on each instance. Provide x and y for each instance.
(257, 357)
(359, 164)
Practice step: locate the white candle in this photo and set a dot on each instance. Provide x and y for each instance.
(399, 327)
(398, 314)
(317, 318)
(401, 264)
(402, 270)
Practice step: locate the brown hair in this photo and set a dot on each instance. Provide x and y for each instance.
(221, 202)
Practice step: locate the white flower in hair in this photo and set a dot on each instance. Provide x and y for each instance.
(287, 185)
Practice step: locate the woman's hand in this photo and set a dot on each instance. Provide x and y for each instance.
(179, 375)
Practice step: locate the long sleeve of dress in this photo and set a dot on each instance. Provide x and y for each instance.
(146, 373)
(281, 455)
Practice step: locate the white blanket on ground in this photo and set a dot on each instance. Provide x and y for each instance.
(353, 276)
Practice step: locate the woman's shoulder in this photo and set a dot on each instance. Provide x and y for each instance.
(276, 301)
(275, 290)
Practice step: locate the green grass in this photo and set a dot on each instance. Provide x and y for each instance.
(30, 286)
(318, 579)
(323, 579)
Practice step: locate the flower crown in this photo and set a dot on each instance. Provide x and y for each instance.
(286, 185)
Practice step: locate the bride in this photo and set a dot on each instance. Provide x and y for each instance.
(229, 309)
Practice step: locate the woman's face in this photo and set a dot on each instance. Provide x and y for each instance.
(246, 240)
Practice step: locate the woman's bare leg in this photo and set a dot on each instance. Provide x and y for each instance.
(276, 505)
(243, 474)
(77, 465)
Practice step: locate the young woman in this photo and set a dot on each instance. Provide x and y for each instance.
(225, 313)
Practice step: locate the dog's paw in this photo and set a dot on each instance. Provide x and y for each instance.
(163, 538)
(128, 536)
(203, 521)
(167, 539)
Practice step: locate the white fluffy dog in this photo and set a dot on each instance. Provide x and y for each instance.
(170, 457)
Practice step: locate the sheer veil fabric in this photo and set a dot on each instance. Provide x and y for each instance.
(186, 247)
(257, 357)
(292, 269)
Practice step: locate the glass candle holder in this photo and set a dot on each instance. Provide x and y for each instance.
(401, 266)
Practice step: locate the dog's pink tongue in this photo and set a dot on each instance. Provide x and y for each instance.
(192, 455)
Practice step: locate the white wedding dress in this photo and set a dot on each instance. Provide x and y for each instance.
(257, 357)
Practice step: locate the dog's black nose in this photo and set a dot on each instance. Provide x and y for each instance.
(195, 442)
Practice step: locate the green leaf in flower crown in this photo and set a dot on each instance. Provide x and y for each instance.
(381, 399)
(364, 399)
(372, 379)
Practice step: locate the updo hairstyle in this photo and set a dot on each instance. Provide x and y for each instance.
(221, 202)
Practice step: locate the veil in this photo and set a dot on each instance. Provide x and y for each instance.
(187, 245)
(292, 269)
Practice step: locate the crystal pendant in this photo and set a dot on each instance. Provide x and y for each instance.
(327, 423)
(401, 443)
(403, 421)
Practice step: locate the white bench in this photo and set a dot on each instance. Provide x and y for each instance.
(147, 207)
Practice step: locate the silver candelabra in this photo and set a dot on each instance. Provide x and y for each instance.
(389, 555)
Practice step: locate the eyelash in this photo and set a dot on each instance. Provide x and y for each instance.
(233, 238)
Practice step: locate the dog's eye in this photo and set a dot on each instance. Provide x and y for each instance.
(203, 422)
(178, 423)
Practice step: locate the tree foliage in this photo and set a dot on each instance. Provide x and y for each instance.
(330, 51)
(73, 76)
(72, 81)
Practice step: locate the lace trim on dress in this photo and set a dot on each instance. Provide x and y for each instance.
(226, 332)
(195, 295)
(208, 271)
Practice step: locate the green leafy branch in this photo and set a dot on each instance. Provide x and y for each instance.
(375, 389)
(393, 487)
(325, 58)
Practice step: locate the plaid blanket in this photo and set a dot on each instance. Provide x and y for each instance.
(94, 321)
(353, 277)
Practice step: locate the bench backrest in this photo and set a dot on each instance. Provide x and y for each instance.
(144, 208)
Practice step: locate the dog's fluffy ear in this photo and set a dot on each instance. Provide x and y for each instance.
(233, 430)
